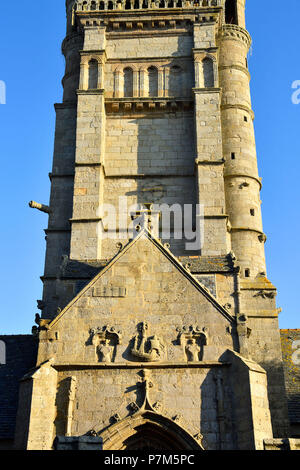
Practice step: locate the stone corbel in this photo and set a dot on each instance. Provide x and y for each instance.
(262, 238)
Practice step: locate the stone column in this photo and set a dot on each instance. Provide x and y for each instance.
(135, 83)
(161, 82)
(143, 75)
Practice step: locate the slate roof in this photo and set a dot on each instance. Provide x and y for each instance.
(78, 270)
(196, 264)
(208, 264)
(21, 353)
(291, 372)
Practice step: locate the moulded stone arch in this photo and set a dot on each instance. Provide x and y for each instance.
(118, 69)
(125, 433)
(86, 59)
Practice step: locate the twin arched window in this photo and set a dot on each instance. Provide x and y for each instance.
(150, 85)
(151, 82)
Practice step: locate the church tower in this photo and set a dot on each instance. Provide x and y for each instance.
(156, 120)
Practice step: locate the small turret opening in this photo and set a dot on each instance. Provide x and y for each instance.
(252, 212)
(231, 16)
(232, 156)
(247, 272)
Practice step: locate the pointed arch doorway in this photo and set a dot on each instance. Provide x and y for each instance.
(148, 431)
(149, 438)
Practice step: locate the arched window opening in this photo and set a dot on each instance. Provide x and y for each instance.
(175, 81)
(208, 73)
(128, 82)
(231, 12)
(152, 81)
(93, 74)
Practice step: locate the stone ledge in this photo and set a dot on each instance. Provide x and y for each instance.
(148, 104)
(282, 444)
(78, 443)
(141, 365)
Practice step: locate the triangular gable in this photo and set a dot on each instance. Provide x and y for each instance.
(171, 258)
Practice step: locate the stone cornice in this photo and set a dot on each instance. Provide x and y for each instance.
(234, 32)
(65, 105)
(61, 175)
(238, 106)
(207, 90)
(239, 175)
(209, 162)
(90, 92)
(141, 365)
(236, 67)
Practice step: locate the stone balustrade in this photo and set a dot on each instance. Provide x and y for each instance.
(97, 5)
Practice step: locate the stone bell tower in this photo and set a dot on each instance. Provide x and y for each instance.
(156, 109)
(156, 112)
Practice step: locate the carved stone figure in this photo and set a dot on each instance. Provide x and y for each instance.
(105, 351)
(147, 349)
(192, 351)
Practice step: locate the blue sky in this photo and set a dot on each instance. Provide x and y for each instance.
(32, 68)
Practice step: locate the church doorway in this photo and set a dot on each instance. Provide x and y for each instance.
(149, 438)
(149, 432)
